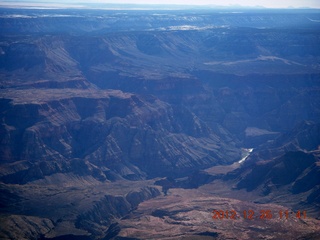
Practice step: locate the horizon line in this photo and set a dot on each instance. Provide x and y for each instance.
(141, 6)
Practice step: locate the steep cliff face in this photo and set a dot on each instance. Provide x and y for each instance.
(130, 135)
(294, 164)
(286, 166)
(304, 137)
(227, 69)
(24, 227)
(111, 208)
(78, 206)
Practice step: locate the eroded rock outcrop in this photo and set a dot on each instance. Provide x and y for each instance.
(130, 135)
(111, 208)
(289, 165)
(24, 227)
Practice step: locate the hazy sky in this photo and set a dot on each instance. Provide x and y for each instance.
(264, 3)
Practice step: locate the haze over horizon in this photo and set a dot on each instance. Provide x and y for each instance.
(227, 3)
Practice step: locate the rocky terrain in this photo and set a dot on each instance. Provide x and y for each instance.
(124, 134)
(142, 124)
(192, 215)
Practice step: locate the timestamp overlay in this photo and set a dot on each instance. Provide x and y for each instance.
(264, 214)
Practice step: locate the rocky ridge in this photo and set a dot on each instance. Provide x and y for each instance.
(108, 131)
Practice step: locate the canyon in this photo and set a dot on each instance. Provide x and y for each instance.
(128, 124)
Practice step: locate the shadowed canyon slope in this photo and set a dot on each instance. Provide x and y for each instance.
(131, 124)
(128, 135)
